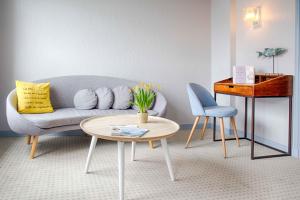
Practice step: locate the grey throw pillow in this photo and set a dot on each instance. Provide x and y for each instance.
(85, 99)
(105, 98)
(123, 97)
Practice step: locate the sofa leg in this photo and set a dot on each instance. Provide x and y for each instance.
(28, 139)
(151, 144)
(34, 144)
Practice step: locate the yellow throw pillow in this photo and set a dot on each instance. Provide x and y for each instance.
(33, 97)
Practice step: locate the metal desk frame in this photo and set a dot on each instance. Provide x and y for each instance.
(253, 157)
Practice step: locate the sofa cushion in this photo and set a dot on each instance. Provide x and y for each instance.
(85, 99)
(73, 116)
(122, 97)
(105, 98)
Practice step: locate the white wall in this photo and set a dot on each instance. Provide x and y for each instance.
(6, 60)
(222, 44)
(296, 124)
(278, 30)
(165, 42)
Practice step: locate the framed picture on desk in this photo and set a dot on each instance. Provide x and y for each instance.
(243, 74)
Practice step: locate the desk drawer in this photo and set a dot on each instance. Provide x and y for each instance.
(241, 90)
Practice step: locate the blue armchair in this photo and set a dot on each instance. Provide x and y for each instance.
(203, 104)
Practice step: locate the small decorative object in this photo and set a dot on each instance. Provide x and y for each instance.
(143, 99)
(271, 52)
(252, 16)
(243, 74)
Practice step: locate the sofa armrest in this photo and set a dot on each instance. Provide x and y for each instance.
(16, 121)
(160, 105)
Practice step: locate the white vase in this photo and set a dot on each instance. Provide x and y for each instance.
(142, 117)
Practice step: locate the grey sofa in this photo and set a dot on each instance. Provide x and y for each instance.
(66, 117)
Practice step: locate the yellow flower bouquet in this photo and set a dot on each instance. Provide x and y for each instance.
(144, 96)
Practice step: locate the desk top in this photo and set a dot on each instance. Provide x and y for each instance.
(265, 86)
(101, 127)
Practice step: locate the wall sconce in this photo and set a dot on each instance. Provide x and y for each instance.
(252, 15)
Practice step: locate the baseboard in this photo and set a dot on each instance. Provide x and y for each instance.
(9, 134)
(65, 133)
(189, 126)
(296, 152)
(229, 132)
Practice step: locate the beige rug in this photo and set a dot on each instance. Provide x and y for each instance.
(201, 171)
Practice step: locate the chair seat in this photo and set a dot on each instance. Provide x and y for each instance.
(220, 111)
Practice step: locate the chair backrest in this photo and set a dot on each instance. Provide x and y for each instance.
(199, 98)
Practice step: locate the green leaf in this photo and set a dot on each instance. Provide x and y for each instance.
(143, 98)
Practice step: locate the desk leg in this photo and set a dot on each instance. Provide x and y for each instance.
(283, 153)
(121, 155)
(252, 128)
(92, 147)
(246, 118)
(290, 125)
(214, 123)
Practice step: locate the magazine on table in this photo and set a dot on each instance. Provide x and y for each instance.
(128, 130)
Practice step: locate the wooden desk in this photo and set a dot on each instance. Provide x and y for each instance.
(266, 86)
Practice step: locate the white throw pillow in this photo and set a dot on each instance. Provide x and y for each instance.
(85, 99)
(105, 98)
(122, 97)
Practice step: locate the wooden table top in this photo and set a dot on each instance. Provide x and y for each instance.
(101, 127)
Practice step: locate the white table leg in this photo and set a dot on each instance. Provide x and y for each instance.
(164, 145)
(121, 157)
(92, 147)
(133, 150)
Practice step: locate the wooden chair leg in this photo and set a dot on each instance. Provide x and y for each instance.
(28, 139)
(31, 139)
(204, 127)
(151, 144)
(234, 130)
(223, 136)
(34, 144)
(192, 131)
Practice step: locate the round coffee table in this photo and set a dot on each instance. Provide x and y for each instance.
(100, 127)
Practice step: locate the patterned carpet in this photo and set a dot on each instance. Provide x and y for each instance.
(201, 172)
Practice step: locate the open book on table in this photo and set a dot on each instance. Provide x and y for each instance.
(128, 130)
